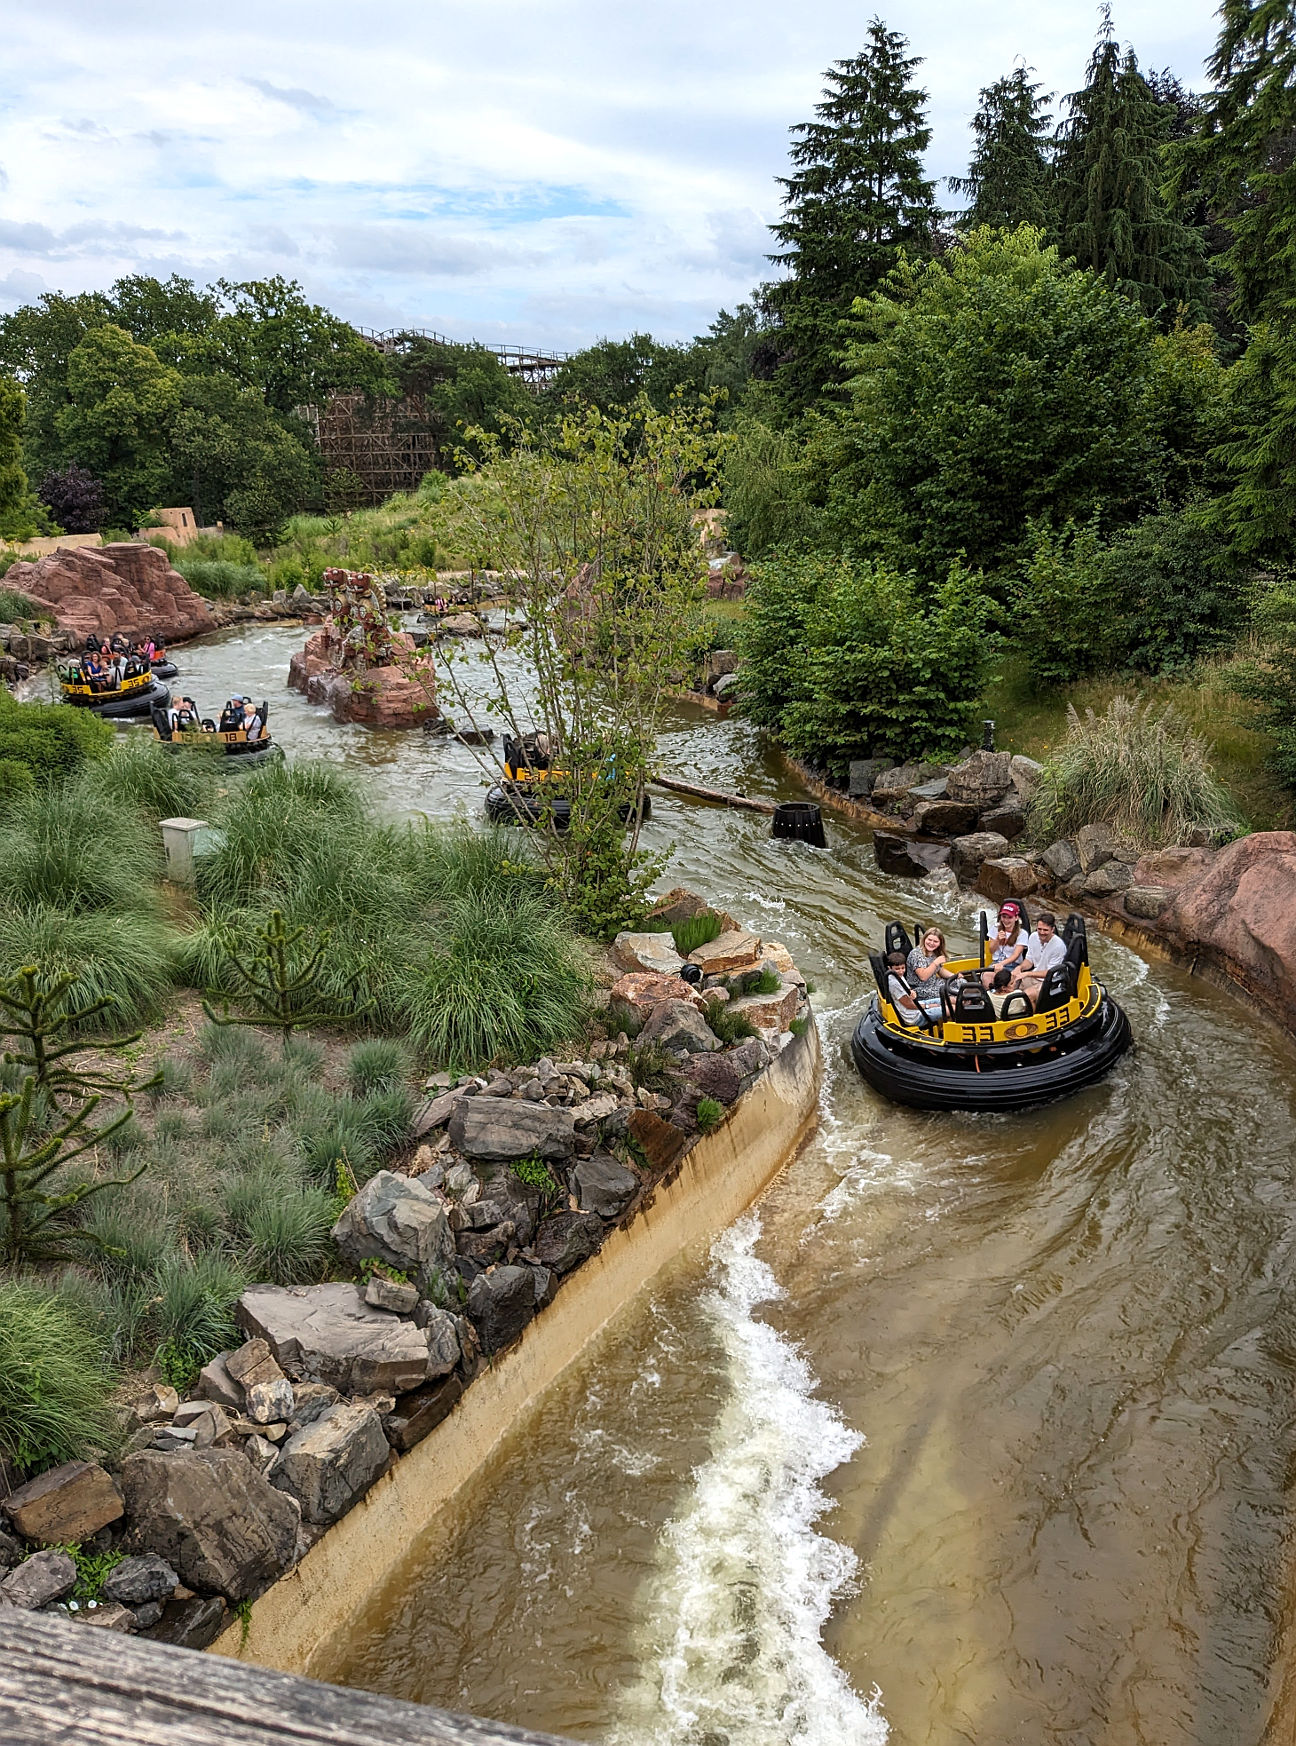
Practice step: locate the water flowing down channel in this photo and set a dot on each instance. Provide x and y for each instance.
(975, 1430)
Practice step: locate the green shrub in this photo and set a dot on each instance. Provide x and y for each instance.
(377, 1064)
(650, 1066)
(55, 1391)
(710, 1113)
(763, 981)
(1137, 769)
(51, 739)
(697, 930)
(15, 605)
(844, 659)
(15, 779)
(1270, 680)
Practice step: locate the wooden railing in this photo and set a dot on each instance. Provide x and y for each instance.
(69, 1684)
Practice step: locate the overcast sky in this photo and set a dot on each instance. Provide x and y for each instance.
(541, 171)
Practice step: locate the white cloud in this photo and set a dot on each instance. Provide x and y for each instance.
(543, 170)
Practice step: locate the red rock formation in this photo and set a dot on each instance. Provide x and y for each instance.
(377, 696)
(127, 588)
(1239, 915)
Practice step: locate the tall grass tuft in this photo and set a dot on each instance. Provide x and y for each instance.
(695, 931)
(65, 846)
(193, 1311)
(503, 978)
(1139, 770)
(142, 774)
(54, 1386)
(127, 956)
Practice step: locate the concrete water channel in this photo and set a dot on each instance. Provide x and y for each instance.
(974, 1430)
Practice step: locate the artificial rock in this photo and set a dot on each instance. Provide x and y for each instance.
(122, 587)
(679, 1028)
(492, 1128)
(603, 1186)
(394, 1219)
(500, 1304)
(565, 1240)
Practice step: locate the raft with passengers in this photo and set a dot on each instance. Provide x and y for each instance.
(242, 732)
(531, 792)
(1021, 1023)
(117, 678)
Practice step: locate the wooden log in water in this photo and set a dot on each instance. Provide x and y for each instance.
(69, 1684)
(716, 796)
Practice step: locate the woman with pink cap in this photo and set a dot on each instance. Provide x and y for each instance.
(1007, 943)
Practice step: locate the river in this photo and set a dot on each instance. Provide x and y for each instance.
(975, 1430)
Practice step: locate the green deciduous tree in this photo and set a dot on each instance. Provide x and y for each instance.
(237, 461)
(856, 197)
(1112, 215)
(21, 515)
(591, 522)
(121, 405)
(991, 387)
(1010, 179)
(290, 352)
(846, 659)
(613, 374)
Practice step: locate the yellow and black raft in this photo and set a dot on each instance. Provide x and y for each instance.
(137, 694)
(234, 743)
(971, 1059)
(531, 792)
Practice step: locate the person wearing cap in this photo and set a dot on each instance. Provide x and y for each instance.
(1008, 944)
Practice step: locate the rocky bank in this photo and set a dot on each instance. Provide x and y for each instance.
(127, 588)
(515, 1179)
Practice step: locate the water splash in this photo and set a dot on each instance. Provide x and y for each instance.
(731, 1645)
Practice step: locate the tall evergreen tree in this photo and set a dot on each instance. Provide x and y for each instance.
(1010, 179)
(1112, 215)
(856, 197)
(1243, 153)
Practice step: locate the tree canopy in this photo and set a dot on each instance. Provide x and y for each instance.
(1010, 179)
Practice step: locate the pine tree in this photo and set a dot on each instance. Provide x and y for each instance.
(857, 196)
(1243, 152)
(1112, 215)
(1010, 179)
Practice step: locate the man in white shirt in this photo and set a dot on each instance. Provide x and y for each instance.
(1044, 949)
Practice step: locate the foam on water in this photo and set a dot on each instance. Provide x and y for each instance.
(731, 1651)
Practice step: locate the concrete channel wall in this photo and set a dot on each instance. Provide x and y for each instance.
(294, 1625)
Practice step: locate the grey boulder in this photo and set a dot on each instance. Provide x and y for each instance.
(1107, 880)
(981, 779)
(499, 1128)
(442, 1339)
(38, 1580)
(680, 1029)
(1095, 846)
(967, 853)
(1147, 901)
(603, 1186)
(137, 1581)
(907, 858)
(863, 773)
(328, 1333)
(1061, 860)
(397, 1220)
(330, 1464)
(567, 1239)
(212, 1517)
(500, 1304)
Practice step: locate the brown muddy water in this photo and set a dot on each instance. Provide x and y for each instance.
(975, 1430)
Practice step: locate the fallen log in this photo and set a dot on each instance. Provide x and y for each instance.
(716, 796)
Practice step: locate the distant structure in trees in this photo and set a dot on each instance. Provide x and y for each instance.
(387, 445)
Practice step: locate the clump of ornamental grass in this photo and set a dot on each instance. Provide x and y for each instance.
(126, 956)
(143, 775)
(377, 1064)
(55, 1389)
(193, 1311)
(1139, 770)
(66, 847)
(503, 978)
